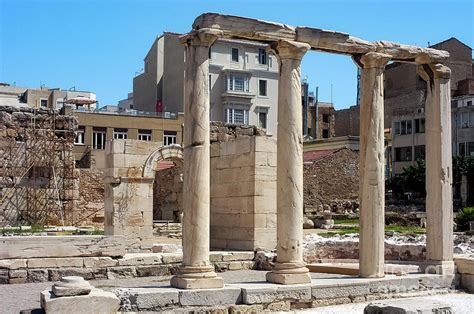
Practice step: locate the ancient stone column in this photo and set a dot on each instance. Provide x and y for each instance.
(372, 166)
(196, 272)
(439, 197)
(289, 268)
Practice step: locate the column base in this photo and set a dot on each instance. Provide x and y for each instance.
(289, 274)
(196, 277)
(438, 267)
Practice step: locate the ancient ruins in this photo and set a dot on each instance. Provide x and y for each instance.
(244, 191)
(290, 44)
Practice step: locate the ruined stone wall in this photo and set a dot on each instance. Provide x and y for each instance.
(92, 194)
(347, 121)
(243, 188)
(38, 179)
(168, 194)
(332, 183)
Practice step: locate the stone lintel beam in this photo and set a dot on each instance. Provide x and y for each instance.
(336, 42)
(242, 27)
(428, 72)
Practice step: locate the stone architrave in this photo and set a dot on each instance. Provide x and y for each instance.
(371, 166)
(289, 268)
(439, 197)
(196, 272)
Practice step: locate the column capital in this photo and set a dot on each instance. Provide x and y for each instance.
(372, 60)
(431, 71)
(288, 49)
(202, 37)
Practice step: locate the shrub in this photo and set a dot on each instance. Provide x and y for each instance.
(463, 218)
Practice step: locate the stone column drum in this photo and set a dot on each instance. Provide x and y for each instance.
(439, 195)
(371, 166)
(196, 272)
(289, 268)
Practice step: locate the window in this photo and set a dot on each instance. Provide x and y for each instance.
(325, 133)
(464, 119)
(235, 55)
(466, 149)
(403, 154)
(98, 139)
(237, 115)
(469, 103)
(262, 87)
(237, 82)
(169, 138)
(262, 119)
(420, 125)
(79, 140)
(262, 56)
(120, 134)
(403, 127)
(471, 119)
(420, 152)
(397, 127)
(325, 118)
(43, 102)
(144, 135)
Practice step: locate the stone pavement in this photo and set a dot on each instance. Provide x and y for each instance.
(16, 297)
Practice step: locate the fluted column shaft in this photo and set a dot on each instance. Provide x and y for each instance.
(439, 195)
(197, 271)
(289, 268)
(371, 166)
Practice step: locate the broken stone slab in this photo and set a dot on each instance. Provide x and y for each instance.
(97, 301)
(61, 246)
(226, 295)
(70, 286)
(408, 306)
(121, 272)
(133, 259)
(12, 263)
(55, 262)
(464, 265)
(146, 299)
(166, 248)
(267, 293)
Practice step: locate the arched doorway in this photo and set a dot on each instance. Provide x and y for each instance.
(165, 166)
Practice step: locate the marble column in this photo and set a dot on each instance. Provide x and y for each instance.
(372, 166)
(439, 194)
(196, 272)
(289, 267)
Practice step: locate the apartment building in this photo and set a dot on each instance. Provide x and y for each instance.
(96, 127)
(243, 81)
(244, 84)
(46, 98)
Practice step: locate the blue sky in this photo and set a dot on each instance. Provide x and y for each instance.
(99, 45)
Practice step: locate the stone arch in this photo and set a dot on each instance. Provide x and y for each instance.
(173, 151)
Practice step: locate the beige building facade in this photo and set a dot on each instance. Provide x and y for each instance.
(95, 128)
(243, 80)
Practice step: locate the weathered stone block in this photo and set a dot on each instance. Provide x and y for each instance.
(62, 246)
(246, 309)
(97, 301)
(146, 299)
(467, 282)
(153, 270)
(96, 262)
(86, 273)
(170, 258)
(279, 306)
(238, 256)
(17, 273)
(331, 301)
(267, 293)
(12, 263)
(37, 275)
(4, 276)
(121, 272)
(234, 266)
(55, 262)
(414, 305)
(226, 295)
(133, 259)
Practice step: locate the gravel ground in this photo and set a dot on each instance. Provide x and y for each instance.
(17, 297)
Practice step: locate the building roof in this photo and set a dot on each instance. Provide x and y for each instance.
(317, 155)
(449, 39)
